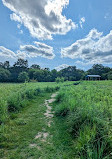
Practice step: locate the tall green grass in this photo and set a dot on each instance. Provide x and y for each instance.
(87, 111)
(3, 111)
(14, 97)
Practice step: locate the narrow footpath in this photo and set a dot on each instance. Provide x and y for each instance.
(35, 133)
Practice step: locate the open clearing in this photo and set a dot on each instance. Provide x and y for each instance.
(74, 122)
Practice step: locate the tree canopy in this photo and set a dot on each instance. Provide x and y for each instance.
(20, 72)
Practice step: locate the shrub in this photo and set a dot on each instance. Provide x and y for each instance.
(51, 89)
(23, 76)
(14, 102)
(58, 79)
(4, 75)
(37, 91)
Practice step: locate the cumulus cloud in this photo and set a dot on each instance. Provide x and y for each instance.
(94, 47)
(18, 26)
(28, 51)
(10, 55)
(4, 52)
(82, 20)
(41, 49)
(43, 18)
(43, 46)
(61, 67)
(15, 17)
(21, 32)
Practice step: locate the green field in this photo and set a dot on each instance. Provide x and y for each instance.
(81, 127)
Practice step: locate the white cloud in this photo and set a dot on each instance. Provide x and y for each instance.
(28, 51)
(18, 26)
(21, 32)
(43, 18)
(61, 67)
(82, 20)
(43, 46)
(10, 55)
(15, 17)
(21, 54)
(6, 53)
(94, 48)
(41, 49)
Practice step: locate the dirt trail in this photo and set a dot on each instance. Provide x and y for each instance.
(48, 115)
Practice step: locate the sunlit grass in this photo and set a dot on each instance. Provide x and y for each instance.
(81, 128)
(87, 110)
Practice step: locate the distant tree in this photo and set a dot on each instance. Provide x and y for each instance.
(58, 79)
(23, 76)
(20, 66)
(71, 73)
(6, 65)
(31, 73)
(35, 66)
(38, 75)
(54, 75)
(4, 75)
(46, 75)
(21, 63)
(99, 69)
(47, 69)
(109, 75)
(1, 65)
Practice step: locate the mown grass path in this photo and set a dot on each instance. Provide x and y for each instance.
(35, 133)
(20, 132)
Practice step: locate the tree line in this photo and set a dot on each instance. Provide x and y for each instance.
(21, 72)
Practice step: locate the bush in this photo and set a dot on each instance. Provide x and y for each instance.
(58, 79)
(51, 89)
(4, 75)
(15, 102)
(23, 76)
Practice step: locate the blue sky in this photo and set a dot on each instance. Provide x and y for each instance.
(57, 33)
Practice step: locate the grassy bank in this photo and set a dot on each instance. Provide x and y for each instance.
(17, 134)
(81, 127)
(86, 111)
(20, 111)
(14, 97)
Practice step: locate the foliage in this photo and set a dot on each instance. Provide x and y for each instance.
(21, 63)
(23, 76)
(58, 79)
(35, 72)
(35, 66)
(4, 75)
(109, 75)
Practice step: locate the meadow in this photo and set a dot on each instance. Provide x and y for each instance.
(87, 113)
(81, 126)
(15, 96)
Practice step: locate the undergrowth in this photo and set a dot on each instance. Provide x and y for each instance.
(87, 111)
(18, 100)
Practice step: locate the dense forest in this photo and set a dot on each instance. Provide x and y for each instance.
(20, 72)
